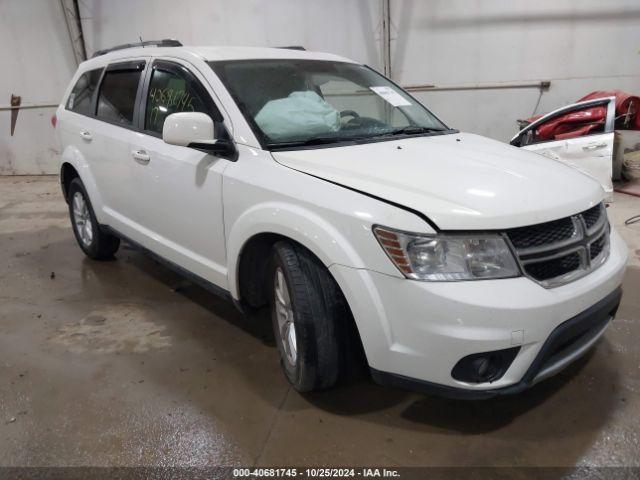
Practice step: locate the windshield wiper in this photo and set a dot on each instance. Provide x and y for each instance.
(414, 130)
(311, 142)
(409, 130)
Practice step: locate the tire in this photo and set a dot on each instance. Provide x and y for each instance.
(94, 242)
(319, 315)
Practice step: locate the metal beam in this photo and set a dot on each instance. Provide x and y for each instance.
(22, 106)
(71, 11)
(541, 85)
(386, 38)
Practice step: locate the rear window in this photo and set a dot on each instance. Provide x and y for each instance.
(81, 96)
(117, 97)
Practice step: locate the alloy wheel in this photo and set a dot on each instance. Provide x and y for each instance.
(285, 317)
(82, 219)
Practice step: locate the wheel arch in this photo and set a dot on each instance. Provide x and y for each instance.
(261, 226)
(253, 261)
(74, 165)
(67, 173)
(253, 290)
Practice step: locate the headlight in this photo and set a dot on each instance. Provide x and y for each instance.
(448, 257)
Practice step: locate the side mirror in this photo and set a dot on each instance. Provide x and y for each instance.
(195, 130)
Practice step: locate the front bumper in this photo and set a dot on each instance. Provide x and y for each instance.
(568, 342)
(415, 332)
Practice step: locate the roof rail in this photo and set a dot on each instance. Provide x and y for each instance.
(294, 47)
(167, 42)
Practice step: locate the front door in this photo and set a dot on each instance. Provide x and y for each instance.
(591, 154)
(180, 188)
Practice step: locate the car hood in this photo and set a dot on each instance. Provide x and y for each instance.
(459, 181)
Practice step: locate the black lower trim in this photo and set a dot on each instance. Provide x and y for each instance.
(62, 187)
(559, 341)
(484, 367)
(192, 277)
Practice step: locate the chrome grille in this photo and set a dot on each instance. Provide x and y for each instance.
(597, 246)
(542, 234)
(592, 215)
(547, 269)
(558, 252)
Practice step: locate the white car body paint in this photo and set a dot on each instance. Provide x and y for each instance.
(461, 182)
(199, 211)
(591, 155)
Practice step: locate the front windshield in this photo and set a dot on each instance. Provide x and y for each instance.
(291, 103)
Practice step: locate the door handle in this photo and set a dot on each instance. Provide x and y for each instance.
(141, 156)
(86, 135)
(594, 146)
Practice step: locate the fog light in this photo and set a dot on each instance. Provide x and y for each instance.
(481, 366)
(484, 367)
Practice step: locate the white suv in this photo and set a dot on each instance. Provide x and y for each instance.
(312, 184)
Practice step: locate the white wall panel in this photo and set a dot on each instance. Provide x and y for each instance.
(346, 27)
(579, 46)
(37, 63)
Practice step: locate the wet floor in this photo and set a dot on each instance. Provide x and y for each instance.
(126, 363)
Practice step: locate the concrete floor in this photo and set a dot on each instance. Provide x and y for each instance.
(125, 363)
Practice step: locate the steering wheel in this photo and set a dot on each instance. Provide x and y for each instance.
(360, 122)
(349, 113)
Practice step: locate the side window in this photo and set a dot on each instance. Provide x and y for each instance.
(117, 97)
(171, 92)
(79, 100)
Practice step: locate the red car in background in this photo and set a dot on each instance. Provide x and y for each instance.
(600, 135)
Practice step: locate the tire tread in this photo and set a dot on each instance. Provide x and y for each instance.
(320, 311)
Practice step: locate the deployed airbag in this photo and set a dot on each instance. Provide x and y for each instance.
(300, 115)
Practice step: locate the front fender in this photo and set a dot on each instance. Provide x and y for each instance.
(297, 223)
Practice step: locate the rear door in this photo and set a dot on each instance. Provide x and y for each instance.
(179, 188)
(591, 154)
(111, 137)
(77, 119)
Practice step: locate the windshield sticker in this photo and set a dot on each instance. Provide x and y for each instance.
(72, 99)
(391, 96)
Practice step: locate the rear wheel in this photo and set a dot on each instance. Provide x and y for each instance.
(310, 317)
(94, 242)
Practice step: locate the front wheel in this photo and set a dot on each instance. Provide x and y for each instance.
(309, 317)
(94, 242)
